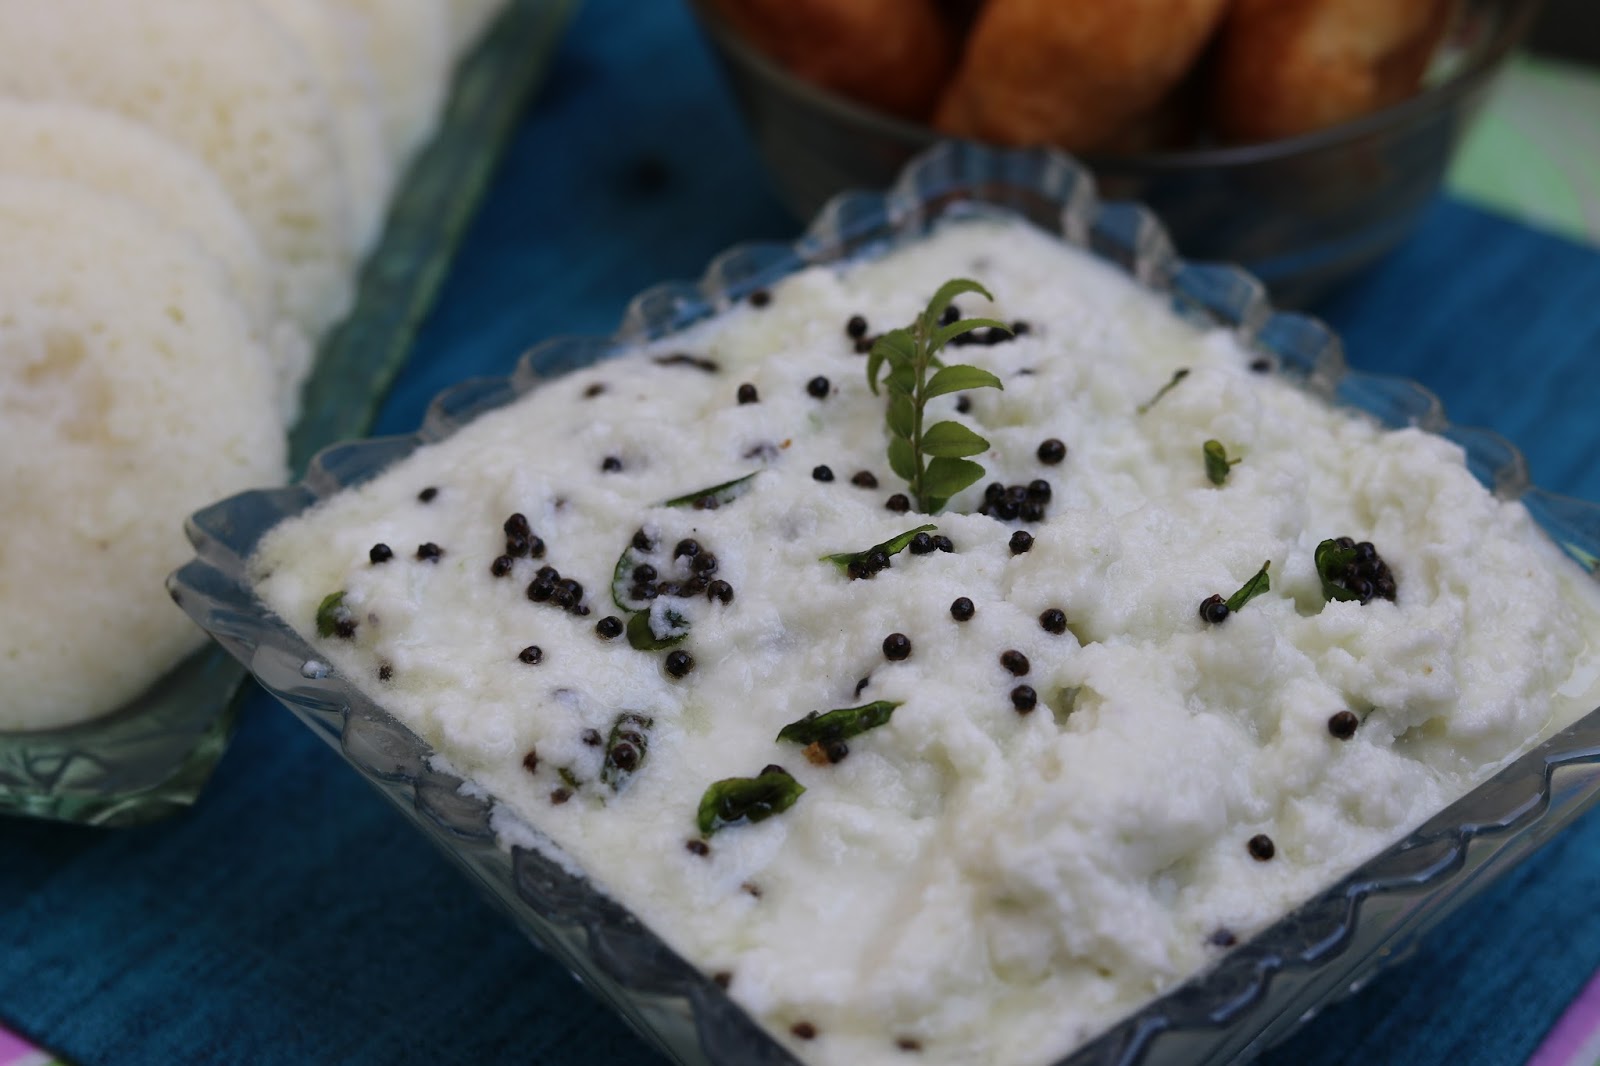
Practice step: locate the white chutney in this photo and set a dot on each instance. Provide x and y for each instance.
(970, 883)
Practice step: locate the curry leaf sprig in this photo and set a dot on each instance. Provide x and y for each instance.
(931, 459)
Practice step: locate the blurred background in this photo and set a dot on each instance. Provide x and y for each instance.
(1569, 29)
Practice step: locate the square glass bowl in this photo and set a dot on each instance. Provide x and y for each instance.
(1257, 993)
(151, 757)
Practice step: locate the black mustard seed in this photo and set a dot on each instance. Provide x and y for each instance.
(856, 327)
(1214, 610)
(1052, 451)
(864, 479)
(532, 654)
(818, 387)
(611, 464)
(428, 494)
(501, 566)
(896, 646)
(1014, 662)
(1021, 541)
(821, 473)
(1024, 699)
(688, 546)
(760, 298)
(1343, 724)
(380, 553)
(429, 552)
(748, 393)
(1261, 847)
(679, 663)
(609, 627)
(961, 609)
(899, 503)
(1053, 620)
(720, 591)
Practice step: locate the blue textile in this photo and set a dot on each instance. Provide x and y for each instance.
(292, 917)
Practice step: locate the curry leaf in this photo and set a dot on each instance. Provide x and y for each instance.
(893, 546)
(1177, 376)
(841, 724)
(701, 499)
(736, 800)
(1250, 589)
(952, 440)
(959, 378)
(1217, 462)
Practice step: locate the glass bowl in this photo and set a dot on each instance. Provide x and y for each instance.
(1256, 994)
(150, 758)
(1302, 213)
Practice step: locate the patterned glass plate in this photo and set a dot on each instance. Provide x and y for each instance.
(151, 758)
(1256, 994)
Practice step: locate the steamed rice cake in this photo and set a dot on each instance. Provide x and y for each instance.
(106, 152)
(410, 43)
(222, 79)
(132, 392)
(340, 53)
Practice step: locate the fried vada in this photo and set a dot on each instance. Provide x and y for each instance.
(1285, 67)
(894, 55)
(1072, 73)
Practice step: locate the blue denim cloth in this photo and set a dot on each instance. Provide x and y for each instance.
(292, 917)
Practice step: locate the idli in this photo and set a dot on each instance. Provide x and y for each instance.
(114, 155)
(132, 392)
(222, 79)
(340, 52)
(410, 45)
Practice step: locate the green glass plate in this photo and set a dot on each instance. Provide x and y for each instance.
(151, 758)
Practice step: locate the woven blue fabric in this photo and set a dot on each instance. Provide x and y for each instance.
(292, 917)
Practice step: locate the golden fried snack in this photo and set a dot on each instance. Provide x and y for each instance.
(890, 54)
(1291, 66)
(1072, 72)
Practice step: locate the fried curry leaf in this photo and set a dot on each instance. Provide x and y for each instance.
(1217, 462)
(893, 546)
(736, 800)
(330, 612)
(714, 496)
(645, 636)
(626, 749)
(1331, 561)
(1251, 589)
(841, 724)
